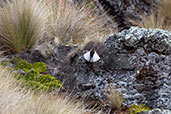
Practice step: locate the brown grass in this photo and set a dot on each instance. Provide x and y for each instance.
(165, 8)
(22, 24)
(73, 24)
(115, 100)
(13, 100)
(161, 19)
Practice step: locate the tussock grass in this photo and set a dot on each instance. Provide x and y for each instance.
(165, 8)
(75, 24)
(13, 100)
(22, 24)
(160, 19)
(152, 21)
(115, 100)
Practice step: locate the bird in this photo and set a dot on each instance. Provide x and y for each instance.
(91, 56)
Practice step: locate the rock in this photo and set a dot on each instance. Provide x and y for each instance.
(31, 56)
(144, 112)
(157, 111)
(137, 62)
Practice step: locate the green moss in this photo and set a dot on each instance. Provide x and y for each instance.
(136, 109)
(40, 67)
(33, 77)
(24, 65)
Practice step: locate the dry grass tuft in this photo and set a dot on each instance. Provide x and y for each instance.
(22, 24)
(161, 19)
(13, 100)
(74, 24)
(165, 8)
(114, 98)
(151, 21)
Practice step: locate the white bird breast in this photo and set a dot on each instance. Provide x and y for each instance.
(93, 59)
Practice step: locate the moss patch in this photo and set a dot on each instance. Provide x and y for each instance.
(35, 75)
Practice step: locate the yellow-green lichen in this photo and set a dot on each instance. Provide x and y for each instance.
(136, 109)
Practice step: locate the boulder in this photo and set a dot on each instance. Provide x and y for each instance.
(136, 61)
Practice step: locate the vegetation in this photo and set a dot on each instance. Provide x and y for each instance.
(160, 19)
(16, 101)
(114, 98)
(136, 109)
(34, 78)
(22, 24)
(74, 24)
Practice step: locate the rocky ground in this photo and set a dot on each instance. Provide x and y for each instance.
(137, 62)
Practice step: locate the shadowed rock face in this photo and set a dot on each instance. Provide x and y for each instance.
(137, 62)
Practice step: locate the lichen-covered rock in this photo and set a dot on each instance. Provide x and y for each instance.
(157, 111)
(137, 62)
